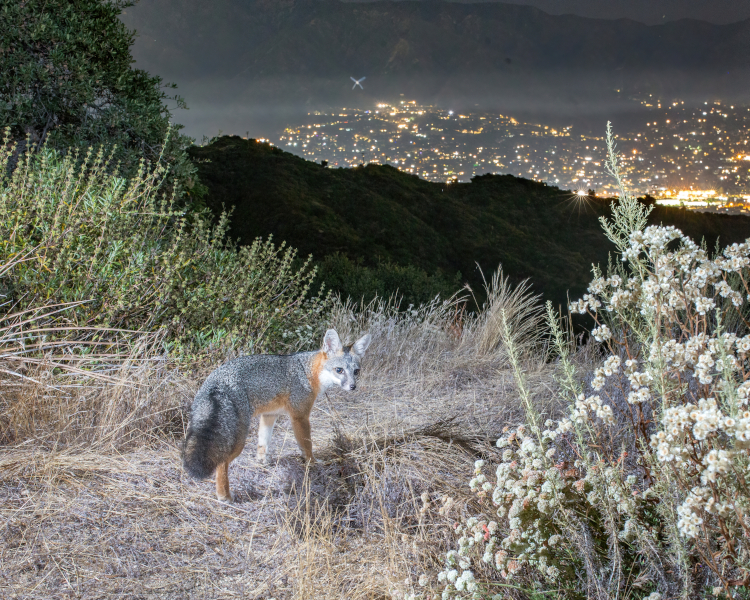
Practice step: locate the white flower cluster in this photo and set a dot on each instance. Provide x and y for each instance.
(601, 333)
(699, 422)
(676, 280)
(457, 583)
(639, 382)
(527, 490)
(705, 438)
(707, 356)
(687, 386)
(689, 522)
(479, 482)
(594, 404)
(700, 499)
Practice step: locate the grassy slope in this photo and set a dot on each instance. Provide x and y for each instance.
(377, 213)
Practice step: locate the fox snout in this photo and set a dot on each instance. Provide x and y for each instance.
(345, 377)
(348, 383)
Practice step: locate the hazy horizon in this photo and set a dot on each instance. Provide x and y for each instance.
(253, 67)
(650, 12)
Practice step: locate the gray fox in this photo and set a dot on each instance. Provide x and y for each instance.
(266, 385)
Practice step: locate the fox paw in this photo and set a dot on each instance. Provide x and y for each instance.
(226, 499)
(262, 457)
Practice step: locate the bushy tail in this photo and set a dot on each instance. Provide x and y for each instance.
(205, 445)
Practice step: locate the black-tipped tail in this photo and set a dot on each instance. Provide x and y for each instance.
(197, 456)
(204, 447)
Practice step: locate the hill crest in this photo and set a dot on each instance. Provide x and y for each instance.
(377, 214)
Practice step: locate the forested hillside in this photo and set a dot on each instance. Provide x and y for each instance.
(376, 214)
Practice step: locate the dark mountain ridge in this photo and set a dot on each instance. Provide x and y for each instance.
(649, 12)
(306, 50)
(376, 214)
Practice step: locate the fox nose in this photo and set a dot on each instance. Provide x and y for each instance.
(353, 386)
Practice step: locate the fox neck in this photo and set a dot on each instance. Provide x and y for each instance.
(320, 378)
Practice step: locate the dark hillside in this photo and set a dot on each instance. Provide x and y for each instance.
(377, 214)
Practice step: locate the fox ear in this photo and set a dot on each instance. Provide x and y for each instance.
(332, 343)
(361, 345)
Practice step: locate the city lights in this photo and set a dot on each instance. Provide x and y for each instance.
(681, 156)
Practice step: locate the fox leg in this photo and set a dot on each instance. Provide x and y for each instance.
(222, 482)
(222, 475)
(265, 429)
(301, 428)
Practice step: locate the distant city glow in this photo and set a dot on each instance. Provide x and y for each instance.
(680, 155)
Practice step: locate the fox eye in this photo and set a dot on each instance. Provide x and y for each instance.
(356, 372)
(339, 370)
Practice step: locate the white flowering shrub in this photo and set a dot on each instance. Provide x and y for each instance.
(641, 489)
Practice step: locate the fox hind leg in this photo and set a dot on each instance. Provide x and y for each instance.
(265, 429)
(223, 492)
(222, 482)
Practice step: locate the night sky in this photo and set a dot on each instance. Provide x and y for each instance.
(646, 11)
(257, 65)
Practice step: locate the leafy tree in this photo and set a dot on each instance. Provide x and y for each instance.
(67, 80)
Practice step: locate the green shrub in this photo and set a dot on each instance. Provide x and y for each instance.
(135, 262)
(68, 81)
(411, 284)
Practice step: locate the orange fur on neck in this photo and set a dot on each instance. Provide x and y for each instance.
(315, 369)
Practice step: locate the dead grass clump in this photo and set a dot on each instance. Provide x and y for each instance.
(63, 384)
(134, 402)
(404, 494)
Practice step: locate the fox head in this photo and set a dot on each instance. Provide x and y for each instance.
(341, 367)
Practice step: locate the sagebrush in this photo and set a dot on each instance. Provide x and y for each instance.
(640, 490)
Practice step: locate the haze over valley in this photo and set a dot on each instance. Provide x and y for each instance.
(255, 65)
(530, 92)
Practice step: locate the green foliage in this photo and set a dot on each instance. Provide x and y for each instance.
(67, 80)
(81, 233)
(411, 284)
(378, 215)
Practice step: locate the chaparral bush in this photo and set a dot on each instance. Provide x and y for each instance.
(118, 254)
(641, 489)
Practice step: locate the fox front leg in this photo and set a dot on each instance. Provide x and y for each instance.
(301, 428)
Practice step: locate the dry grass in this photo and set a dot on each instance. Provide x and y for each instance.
(94, 504)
